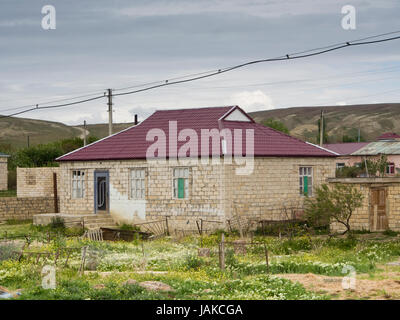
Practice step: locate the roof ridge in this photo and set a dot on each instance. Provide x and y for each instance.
(195, 108)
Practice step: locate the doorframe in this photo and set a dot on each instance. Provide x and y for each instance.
(102, 173)
(373, 214)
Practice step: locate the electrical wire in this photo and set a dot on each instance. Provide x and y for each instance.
(203, 75)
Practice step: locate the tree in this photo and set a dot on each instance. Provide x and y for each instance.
(336, 203)
(276, 124)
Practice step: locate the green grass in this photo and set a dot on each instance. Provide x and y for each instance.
(193, 277)
(8, 193)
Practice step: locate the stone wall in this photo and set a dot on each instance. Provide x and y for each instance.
(216, 192)
(360, 217)
(36, 182)
(273, 187)
(3, 173)
(24, 208)
(204, 189)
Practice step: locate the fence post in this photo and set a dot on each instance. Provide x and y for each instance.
(83, 259)
(166, 223)
(222, 252)
(266, 257)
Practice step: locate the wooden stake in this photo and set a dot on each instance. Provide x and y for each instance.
(266, 257)
(222, 252)
(83, 259)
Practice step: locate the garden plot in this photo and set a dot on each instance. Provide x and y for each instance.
(298, 268)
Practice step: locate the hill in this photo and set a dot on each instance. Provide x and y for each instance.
(15, 131)
(373, 119)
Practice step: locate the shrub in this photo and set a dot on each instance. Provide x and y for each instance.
(8, 251)
(390, 233)
(57, 223)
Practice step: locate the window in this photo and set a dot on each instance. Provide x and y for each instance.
(138, 186)
(78, 184)
(390, 168)
(340, 165)
(181, 183)
(305, 174)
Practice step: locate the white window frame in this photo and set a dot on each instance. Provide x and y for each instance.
(340, 165)
(137, 178)
(78, 184)
(306, 171)
(180, 172)
(390, 165)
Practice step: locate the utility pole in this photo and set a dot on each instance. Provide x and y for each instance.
(359, 132)
(28, 141)
(110, 111)
(321, 129)
(84, 133)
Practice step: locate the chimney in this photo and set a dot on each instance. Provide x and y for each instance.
(136, 119)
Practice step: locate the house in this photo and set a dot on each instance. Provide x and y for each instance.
(390, 148)
(354, 153)
(189, 164)
(389, 136)
(344, 152)
(3, 171)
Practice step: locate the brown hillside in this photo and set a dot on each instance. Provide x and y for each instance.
(373, 119)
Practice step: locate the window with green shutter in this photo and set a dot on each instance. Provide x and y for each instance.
(306, 180)
(181, 183)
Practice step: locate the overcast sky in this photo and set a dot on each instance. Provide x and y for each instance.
(103, 44)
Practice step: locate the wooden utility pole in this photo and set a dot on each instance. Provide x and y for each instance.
(84, 133)
(110, 111)
(321, 129)
(27, 141)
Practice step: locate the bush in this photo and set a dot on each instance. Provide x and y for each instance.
(57, 223)
(390, 233)
(192, 262)
(8, 251)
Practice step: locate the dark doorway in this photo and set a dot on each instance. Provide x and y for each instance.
(101, 192)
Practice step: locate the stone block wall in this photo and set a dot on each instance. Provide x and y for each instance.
(24, 208)
(273, 185)
(215, 191)
(3, 173)
(204, 192)
(360, 217)
(36, 182)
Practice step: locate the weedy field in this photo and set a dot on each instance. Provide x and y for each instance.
(298, 268)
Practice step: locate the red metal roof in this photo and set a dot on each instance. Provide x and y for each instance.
(345, 148)
(131, 143)
(388, 136)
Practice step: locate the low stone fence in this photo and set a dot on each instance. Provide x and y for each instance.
(24, 208)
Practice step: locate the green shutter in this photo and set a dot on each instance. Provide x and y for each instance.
(181, 188)
(305, 185)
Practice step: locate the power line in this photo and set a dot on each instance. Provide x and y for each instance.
(203, 75)
(287, 57)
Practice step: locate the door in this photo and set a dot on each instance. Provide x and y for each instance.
(101, 192)
(378, 219)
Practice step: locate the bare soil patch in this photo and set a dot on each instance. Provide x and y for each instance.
(387, 287)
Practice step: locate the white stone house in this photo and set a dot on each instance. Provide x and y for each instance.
(217, 163)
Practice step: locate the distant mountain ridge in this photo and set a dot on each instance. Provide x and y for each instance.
(373, 119)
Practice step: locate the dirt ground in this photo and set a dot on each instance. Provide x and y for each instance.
(385, 285)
